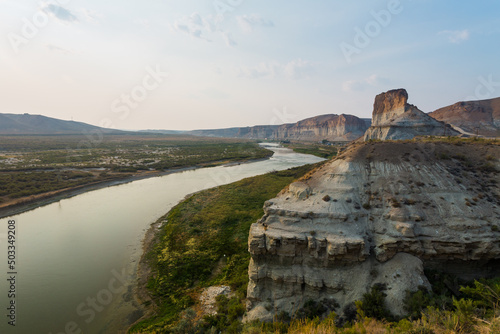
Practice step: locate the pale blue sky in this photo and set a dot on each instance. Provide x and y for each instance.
(241, 62)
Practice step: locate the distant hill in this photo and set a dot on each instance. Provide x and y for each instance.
(238, 132)
(331, 127)
(27, 124)
(475, 117)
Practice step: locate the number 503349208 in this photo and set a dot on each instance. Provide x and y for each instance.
(11, 247)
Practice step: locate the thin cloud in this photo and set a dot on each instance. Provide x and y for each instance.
(298, 69)
(203, 27)
(228, 39)
(196, 19)
(90, 15)
(360, 85)
(262, 70)
(60, 13)
(456, 36)
(294, 69)
(248, 23)
(194, 25)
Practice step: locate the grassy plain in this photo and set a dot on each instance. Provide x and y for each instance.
(33, 165)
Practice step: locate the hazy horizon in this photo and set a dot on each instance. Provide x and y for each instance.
(234, 63)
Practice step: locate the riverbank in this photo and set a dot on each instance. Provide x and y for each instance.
(219, 219)
(141, 294)
(24, 204)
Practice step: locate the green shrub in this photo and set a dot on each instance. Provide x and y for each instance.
(465, 311)
(488, 168)
(316, 309)
(416, 302)
(227, 319)
(372, 305)
(486, 293)
(444, 156)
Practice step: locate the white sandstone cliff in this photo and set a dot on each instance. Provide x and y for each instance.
(379, 213)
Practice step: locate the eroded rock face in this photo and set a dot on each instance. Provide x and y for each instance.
(393, 118)
(389, 105)
(331, 127)
(472, 117)
(377, 214)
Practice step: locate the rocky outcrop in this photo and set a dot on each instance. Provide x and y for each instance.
(330, 127)
(208, 298)
(472, 117)
(393, 118)
(257, 132)
(379, 213)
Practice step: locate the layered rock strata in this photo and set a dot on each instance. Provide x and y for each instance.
(393, 118)
(472, 117)
(379, 213)
(325, 127)
(330, 127)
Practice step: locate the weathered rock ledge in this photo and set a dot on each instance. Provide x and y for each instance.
(379, 213)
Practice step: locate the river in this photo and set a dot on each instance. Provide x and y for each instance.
(76, 259)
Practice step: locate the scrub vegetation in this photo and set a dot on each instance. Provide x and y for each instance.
(31, 165)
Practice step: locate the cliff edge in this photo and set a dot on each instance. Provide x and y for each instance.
(379, 213)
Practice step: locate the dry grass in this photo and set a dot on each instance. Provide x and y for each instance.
(436, 323)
